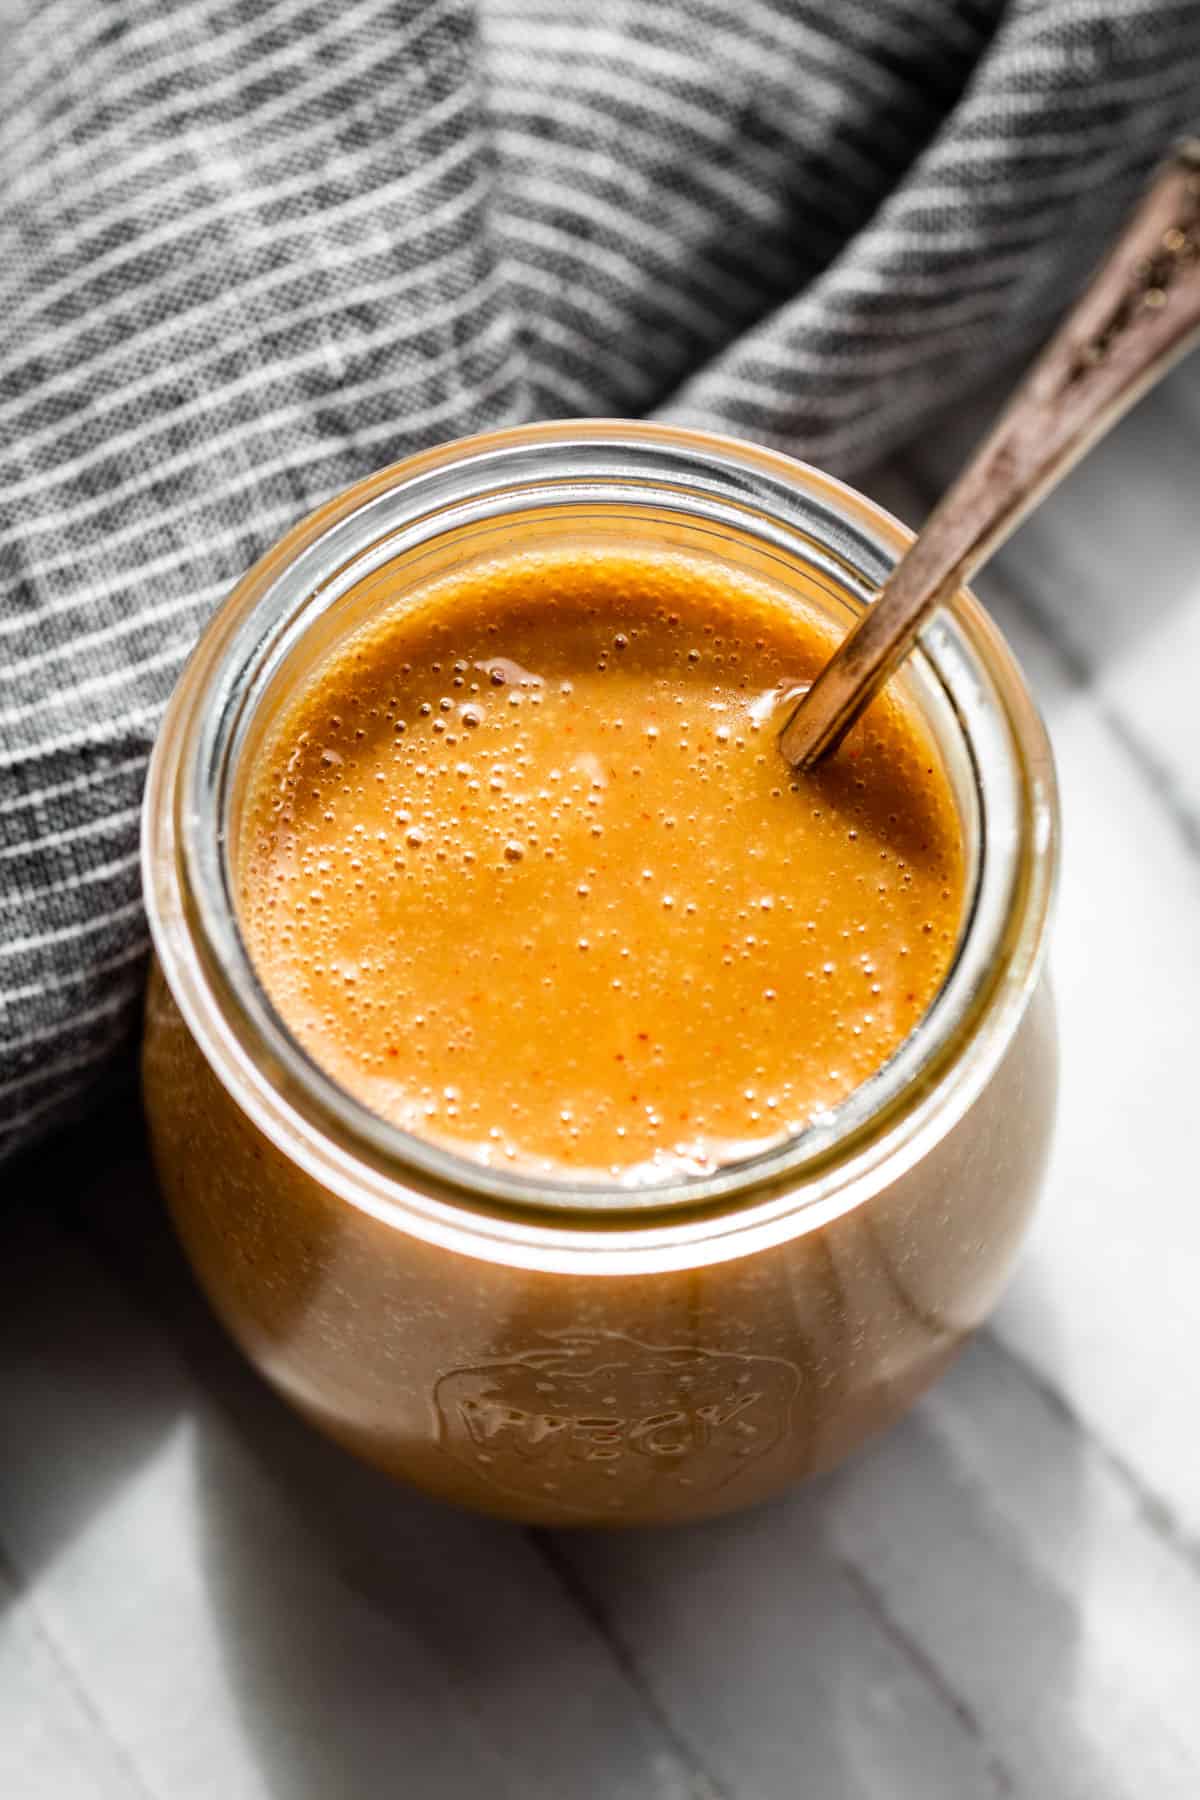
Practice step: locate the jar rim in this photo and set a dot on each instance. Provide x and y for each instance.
(432, 1191)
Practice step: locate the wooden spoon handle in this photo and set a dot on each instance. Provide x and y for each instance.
(1140, 312)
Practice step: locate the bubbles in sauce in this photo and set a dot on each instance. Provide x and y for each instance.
(524, 869)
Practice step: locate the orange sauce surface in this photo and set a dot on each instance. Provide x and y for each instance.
(522, 867)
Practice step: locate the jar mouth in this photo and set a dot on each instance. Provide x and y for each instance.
(962, 677)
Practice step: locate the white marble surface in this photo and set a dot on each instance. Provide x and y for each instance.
(200, 1599)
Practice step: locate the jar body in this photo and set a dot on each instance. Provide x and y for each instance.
(576, 1398)
(557, 1353)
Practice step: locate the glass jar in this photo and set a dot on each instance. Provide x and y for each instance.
(560, 1352)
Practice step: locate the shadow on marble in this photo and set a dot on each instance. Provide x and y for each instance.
(376, 1640)
(370, 1637)
(77, 1420)
(885, 1629)
(888, 1629)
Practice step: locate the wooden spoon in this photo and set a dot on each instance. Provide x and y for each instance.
(1139, 314)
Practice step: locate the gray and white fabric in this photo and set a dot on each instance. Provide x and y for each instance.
(252, 249)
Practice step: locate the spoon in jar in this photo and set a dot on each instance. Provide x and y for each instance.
(1139, 314)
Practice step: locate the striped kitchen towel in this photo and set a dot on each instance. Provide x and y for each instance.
(252, 249)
